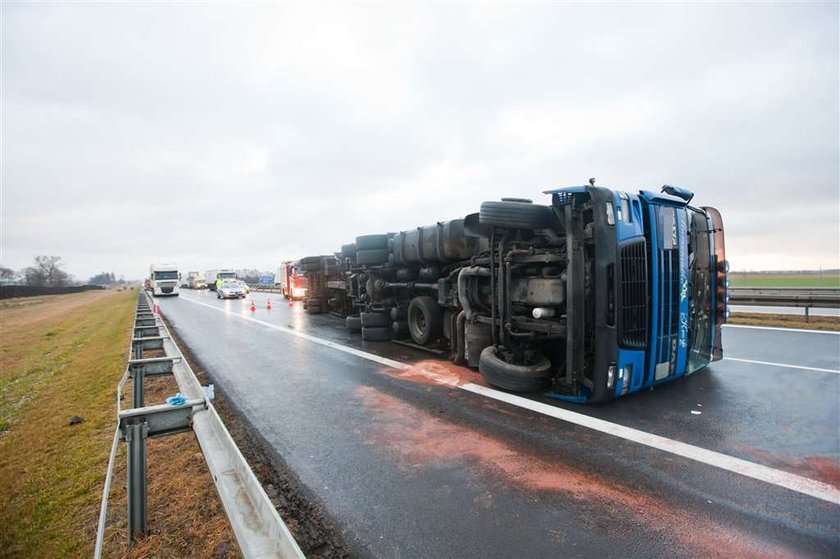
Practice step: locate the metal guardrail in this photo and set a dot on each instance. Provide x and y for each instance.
(264, 287)
(820, 298)
(258, 528)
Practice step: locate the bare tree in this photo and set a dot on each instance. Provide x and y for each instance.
(6, 273)
(47, 271)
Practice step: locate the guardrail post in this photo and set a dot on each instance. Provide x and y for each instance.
(138, 350)
(807, 314)
(135, 436)
(139, 378)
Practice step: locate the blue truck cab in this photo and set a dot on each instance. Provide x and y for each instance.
(645, 289)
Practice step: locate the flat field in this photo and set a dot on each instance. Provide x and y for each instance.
(804, 281)
(62, 356)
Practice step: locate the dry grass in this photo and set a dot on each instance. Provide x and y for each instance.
(786, 321)
(62, 356)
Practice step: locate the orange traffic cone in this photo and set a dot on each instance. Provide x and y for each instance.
(253, 307)
(268, 304)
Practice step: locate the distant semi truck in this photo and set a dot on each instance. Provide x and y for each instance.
(164, 279)
(210, 277)
(196, 281)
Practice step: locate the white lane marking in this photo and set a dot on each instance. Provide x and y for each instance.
(782, 365)
(833, 332)
(352, 351)
(800, 484)
(779, 478)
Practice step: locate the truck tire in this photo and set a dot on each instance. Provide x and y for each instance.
(376, 333)
(372, 256)
(348, 251)
(399, 330)
(313, 306)
(516, 378)
(311, 267)
(515, 214)
(425, 320)
(370, 242)
(398, 313)
(374, 320)
(353, 323)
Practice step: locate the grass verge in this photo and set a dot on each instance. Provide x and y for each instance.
(802, 281)
(62, 356)
(786, 321)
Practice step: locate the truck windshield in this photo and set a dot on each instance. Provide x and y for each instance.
(173, 275)
(227, 275)
(700, 288)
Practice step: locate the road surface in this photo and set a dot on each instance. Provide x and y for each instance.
(415, 457)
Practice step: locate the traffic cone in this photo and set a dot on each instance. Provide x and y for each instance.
(253, 306)
(268, 304)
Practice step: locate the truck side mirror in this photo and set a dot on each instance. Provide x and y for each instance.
(679, 192)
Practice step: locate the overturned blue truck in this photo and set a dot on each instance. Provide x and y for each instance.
(597, 295)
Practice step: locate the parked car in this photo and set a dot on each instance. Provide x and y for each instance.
(230, 289)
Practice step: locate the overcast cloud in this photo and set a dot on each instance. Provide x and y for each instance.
(222, 135)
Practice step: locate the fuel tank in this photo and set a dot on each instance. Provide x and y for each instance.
(442, 243)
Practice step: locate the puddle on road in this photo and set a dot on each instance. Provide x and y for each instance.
(416, 439)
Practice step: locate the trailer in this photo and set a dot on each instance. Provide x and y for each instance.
(596, 295)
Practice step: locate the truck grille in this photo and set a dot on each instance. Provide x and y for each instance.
(632, 312)
(669, 304)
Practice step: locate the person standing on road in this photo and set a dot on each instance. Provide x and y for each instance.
(218, 283)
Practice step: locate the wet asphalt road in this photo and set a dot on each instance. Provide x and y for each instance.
(410, 466)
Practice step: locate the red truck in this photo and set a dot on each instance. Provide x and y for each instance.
(291, 280)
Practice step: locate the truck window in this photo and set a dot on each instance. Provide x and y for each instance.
(700, 287)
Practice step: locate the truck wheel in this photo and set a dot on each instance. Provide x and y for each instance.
(369, 242)
(311, 267)
(516, 378)
(348, 251)
(313, 306)
(374, 320)
(376, 334)
(398, 313)
(425, 320)
(372, 256)
(515, 214)
(399, 329)
(353, 323)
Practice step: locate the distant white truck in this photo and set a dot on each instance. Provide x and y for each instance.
(210, 277)
(164, 279)
(196, 281)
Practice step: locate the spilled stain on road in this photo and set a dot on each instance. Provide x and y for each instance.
(416, 439)
(440, 373)
(820, 468)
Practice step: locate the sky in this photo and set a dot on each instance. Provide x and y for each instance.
(222, 135)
